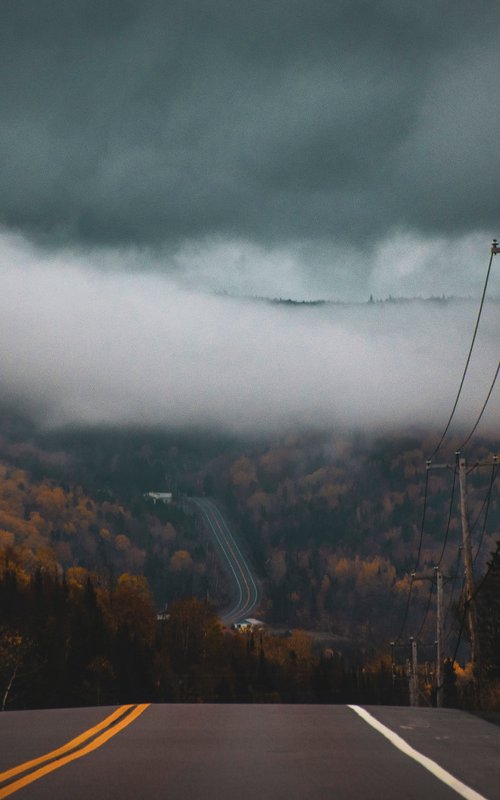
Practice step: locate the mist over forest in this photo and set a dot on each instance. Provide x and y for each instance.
(90, 346)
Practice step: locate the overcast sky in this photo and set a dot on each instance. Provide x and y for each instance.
(331, 149)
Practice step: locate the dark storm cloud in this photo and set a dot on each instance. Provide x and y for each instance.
(160, 123)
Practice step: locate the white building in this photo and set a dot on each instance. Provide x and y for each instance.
(159, 497)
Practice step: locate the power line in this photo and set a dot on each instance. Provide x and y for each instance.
(448, 523)
(422, 524)
(427, 609)
(494, 473)
(479, 514)
(450, 511)
(407, 609)
(494, 250)
(468, 601)
(460, 632)
(447, 530)
(485, 576)
(469, 437)
(454, 580)
(412, 576)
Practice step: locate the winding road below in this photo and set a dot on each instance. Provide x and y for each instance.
(245, 587)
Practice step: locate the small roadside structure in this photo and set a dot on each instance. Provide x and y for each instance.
(249, 624)
(159, 497)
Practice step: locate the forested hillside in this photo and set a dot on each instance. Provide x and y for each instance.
(333, 524)
(56, 525)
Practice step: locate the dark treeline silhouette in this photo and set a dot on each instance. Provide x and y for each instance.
(488, 610)
(68, 640)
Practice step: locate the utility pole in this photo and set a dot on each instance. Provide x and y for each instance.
(393, 663)
(413, 673)
(439, 639)
(469, 594)
(468, 566)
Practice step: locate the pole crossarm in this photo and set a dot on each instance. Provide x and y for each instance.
(477, 465)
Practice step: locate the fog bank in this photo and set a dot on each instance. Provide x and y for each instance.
(83, 345)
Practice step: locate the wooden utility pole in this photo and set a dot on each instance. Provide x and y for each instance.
(468, 566)
(469, 593)
(393, 663)
(439, 639)
(413, 673)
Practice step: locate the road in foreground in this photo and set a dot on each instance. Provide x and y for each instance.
(244, 583)
(216, 752)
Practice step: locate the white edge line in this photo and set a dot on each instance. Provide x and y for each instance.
(440, 773)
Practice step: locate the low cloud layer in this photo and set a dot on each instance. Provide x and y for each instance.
(87, 345)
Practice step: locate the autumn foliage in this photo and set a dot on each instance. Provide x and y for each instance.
(330, 522)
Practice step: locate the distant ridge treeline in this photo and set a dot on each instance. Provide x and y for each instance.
(318, 302)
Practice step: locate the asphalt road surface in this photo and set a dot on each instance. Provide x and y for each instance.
(244, 583)
(222, 752)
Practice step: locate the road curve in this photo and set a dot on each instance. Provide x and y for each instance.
(270, 752)
(244, 583)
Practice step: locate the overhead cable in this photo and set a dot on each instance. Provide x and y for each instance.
(486, 504)
(471, 599)
(443, 549)
(450, 511)
(422, 524)
(454, 580)
(494, 251)
(460, 632)
(469, 437)
(412, 576)
(407, 609)
(427, 609)
(480, 585)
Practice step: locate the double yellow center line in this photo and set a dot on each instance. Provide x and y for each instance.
(84, 744)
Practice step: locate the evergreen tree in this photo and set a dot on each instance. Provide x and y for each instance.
(488, 611)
